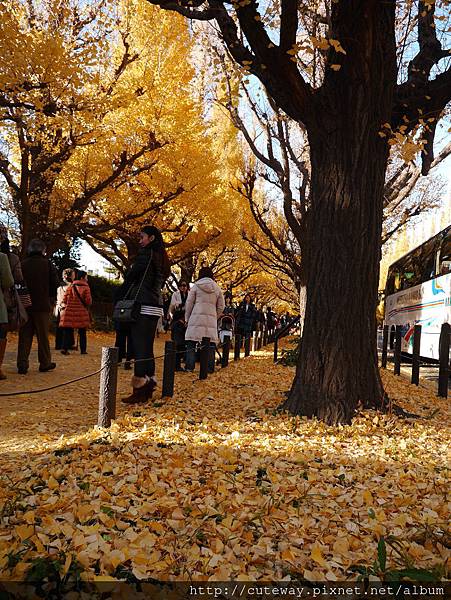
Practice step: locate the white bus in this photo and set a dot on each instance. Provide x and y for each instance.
(418, 292)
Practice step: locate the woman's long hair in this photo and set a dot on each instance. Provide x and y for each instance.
(158, 245)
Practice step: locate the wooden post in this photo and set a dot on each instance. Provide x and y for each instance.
(384, 347)
(391, 337)
(225, 352)
(211, 358)
(247, 345)
(204, 355)
(170, 350)
(443, 372)
(416, 355)
(276, 347)
(108, 386)
(236, 355)
(397, 356)
(259, 339)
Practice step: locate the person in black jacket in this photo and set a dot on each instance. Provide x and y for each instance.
(41, 279)
(144, 281)
(246, 317)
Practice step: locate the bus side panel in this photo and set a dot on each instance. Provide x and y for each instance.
(428, 305)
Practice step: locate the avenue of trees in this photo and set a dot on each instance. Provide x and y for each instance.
(278, 142)
(356, 76)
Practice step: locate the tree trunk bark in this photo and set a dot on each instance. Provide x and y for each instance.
(338, 370)
(187, 268)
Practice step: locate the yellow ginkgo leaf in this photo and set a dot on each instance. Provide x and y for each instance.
(317, 556)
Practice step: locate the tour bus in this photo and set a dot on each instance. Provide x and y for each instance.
(418, 292)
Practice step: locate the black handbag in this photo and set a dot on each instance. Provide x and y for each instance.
(127, 311)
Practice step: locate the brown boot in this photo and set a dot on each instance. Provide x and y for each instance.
(142, 390)
(2, 356)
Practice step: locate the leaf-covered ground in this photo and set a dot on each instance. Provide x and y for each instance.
(216, 484)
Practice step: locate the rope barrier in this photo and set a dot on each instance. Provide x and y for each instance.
(64, 383)
(53, 387)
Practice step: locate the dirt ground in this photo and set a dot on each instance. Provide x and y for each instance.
(65, 411)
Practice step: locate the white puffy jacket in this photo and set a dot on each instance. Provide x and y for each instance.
(204, 305)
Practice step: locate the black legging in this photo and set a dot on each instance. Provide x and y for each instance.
(69, 338)
(124, 343)
(143, 335)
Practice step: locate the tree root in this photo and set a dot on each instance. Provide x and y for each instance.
(387, 406)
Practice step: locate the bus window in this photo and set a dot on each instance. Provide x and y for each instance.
(445, 256)
(427, 255)
(411, 272)
(390, 286)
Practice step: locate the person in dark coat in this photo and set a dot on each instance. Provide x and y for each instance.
(41, 279)
(176, 313)
(229, 309)
(144, 281)
(270, 319)
(124, 342)
(178, 330)
(246, 317)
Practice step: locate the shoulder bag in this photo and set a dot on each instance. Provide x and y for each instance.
(127, 311)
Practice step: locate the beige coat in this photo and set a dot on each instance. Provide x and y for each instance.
(204, 305)
(60, 306)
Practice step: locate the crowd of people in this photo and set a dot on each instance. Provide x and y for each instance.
(30, 290)
(204, 311)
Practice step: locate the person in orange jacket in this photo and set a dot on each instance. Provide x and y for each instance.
(77, 301)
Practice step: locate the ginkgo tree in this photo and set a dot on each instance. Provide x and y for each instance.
(99, 127)
(357, 84)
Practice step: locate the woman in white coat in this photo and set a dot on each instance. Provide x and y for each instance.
(203, 306)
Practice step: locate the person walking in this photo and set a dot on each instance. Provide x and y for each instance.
(178, 299)
(68, 277)
(176, 315)
(270, 319)
(204, 305)
(77, 301)
(6, 282)
(144, 282)
(246, 317)
(226, 323)
(40, 276)
(178, 330)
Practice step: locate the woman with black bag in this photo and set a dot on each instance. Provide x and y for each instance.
(140, 304)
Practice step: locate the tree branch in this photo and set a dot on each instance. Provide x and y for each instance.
(288, 24)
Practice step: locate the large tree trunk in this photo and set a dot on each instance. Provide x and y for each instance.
(338, 360)
(337, 370)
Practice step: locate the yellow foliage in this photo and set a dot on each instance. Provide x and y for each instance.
(301, 496)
